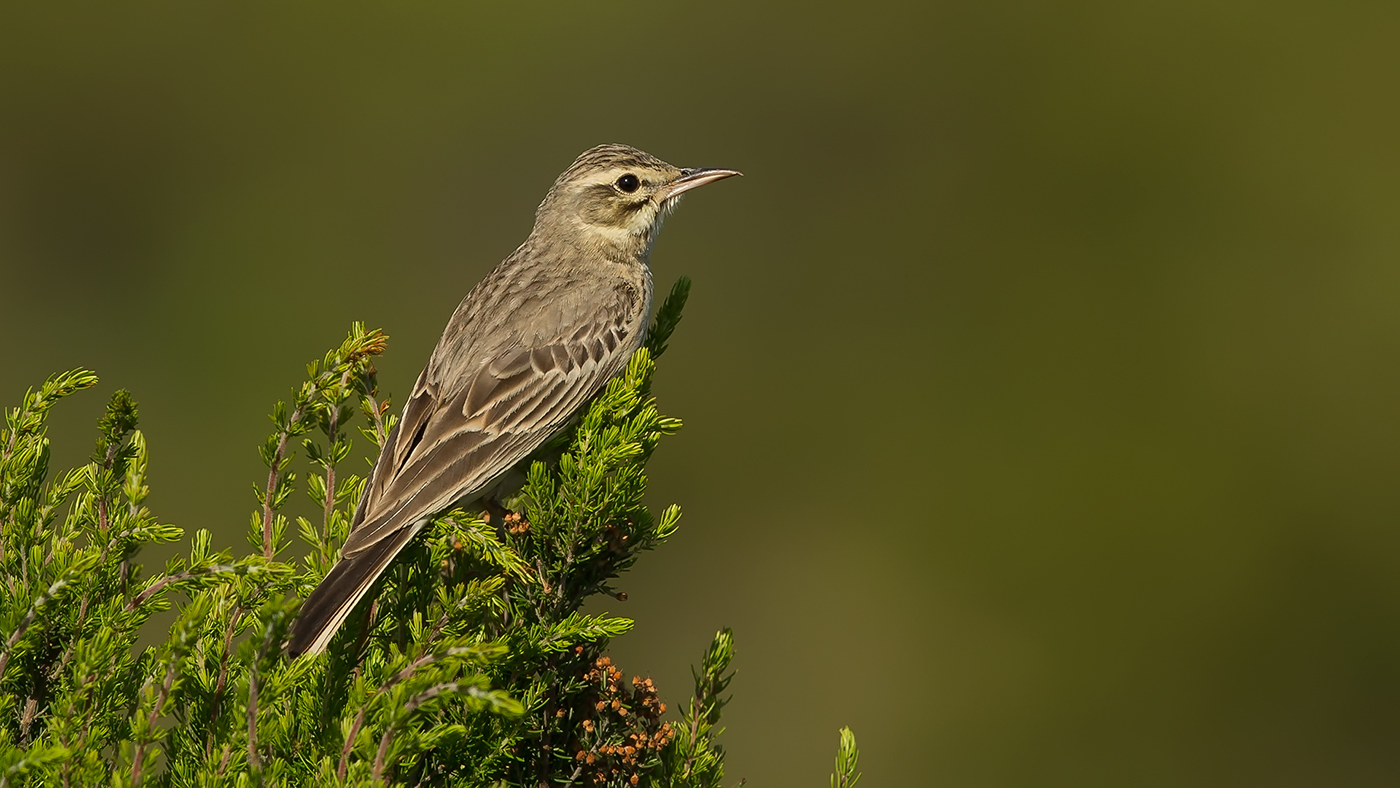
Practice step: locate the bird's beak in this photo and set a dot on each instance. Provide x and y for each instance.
(690, 179)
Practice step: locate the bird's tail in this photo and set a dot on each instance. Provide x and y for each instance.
(343, 588)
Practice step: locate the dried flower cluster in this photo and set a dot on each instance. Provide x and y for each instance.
(622, 735)
(516, 524)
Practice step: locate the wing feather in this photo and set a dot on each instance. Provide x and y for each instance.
(507, 410)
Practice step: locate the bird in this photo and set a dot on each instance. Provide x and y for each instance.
(527, 349)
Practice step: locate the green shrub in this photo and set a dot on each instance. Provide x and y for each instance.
(470, 665)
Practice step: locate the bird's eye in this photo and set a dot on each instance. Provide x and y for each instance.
(628, 183)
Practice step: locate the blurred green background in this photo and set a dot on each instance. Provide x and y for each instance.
(1040, 378)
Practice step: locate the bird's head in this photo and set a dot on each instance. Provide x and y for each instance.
(618, 195)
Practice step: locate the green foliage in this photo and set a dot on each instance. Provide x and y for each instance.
(469, 665)
(847, 755)
(694, 759)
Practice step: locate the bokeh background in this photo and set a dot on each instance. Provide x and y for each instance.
(1041, 378)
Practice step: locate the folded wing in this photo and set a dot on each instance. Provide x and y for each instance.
(452, 443)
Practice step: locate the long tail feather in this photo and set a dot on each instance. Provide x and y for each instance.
(343, 588)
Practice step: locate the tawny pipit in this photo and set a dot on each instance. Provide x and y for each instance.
(525, 350)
